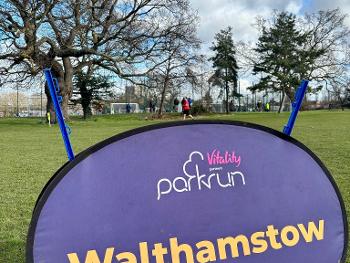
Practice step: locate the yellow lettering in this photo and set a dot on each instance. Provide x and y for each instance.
(73, 258)
(233, 242)
(144, 252)
(92, 257)
(272, 233)
(206, 252)
(260, 244)
(312, 230)
(127, 257)
(177, 249)
(159, 252)
(295, 236)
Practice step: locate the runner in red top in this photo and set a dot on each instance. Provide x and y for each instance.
(186, 108)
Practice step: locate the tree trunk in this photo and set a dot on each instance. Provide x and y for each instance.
(57, 73)
(227, 91)
(49, 106)
(64, 106)
(165, 86)
(290, 94)
(86, 111)
(65, 85)
(282, 101)
(341, 102)
(227, 94)
(86, 98)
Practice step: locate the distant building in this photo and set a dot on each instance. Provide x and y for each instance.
(27, 105)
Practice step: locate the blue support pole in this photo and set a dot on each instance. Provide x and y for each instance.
(53, 91)
(298, 100)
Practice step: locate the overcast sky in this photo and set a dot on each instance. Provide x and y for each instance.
(241, 14)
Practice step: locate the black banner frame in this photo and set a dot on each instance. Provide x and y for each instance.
(61, 172)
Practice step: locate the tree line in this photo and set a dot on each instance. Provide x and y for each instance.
(289, 49)
(154, 43)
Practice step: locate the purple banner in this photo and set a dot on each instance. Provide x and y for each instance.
(191, 192)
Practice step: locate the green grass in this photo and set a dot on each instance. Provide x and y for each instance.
(30, 153)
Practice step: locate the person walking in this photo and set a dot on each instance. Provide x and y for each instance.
(189, 102)
(49, 118)
(128, 108)
(186, 108)
(176, 105)
(150, 105)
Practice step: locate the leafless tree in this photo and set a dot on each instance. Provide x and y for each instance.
(340, 90)
(179, 53)
(126, 37)
(325, 47)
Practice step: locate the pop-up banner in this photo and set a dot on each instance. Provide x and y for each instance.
(204, 191)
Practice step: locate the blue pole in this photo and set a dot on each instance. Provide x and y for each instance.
(298, 100)
(59, 114)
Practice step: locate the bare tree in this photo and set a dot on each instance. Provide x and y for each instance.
(125, 37)
(179, 54)
(340, 90)
(326, 39)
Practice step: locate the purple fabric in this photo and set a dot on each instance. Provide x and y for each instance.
(110, 199)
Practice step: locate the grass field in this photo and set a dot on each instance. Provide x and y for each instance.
(30, 153)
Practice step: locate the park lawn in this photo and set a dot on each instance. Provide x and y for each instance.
(31, 152)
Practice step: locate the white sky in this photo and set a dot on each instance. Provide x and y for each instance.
(241, 14)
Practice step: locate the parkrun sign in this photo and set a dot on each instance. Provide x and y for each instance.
(186, 192)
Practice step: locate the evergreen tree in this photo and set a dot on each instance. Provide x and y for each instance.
(280, 61)
(88, 89)
(224, 63)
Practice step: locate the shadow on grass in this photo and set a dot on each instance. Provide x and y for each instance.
(12, 251)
